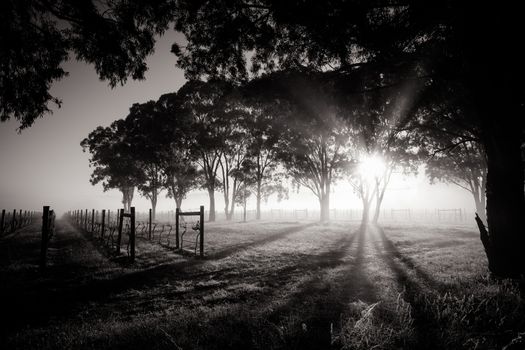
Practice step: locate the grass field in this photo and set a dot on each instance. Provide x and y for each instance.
(262, 285)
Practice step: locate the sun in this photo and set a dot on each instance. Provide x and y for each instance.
(371, 167)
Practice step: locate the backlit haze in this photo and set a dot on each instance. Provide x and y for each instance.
(45, 165)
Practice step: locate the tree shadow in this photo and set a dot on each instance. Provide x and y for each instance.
(315, 308)
(412, 291)
(61, 298)
(221, 254)
(392, 252)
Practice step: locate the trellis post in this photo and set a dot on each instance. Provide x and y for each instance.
(201, 231)
(92, 221)
(149, 227)
(45, 237)
(120, 223)
(2, 221)
(13, 221)
(132, 235)
(177, 211)
(102, 226)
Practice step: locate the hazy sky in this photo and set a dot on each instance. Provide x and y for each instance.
(45, 165)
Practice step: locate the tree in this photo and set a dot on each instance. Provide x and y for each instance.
(313, 140)
(36, 38)
(178, 161)
(231, 162)
(203, 102)
(144, 126)
(383, 147)
(437, 42)
(261, 164)
(463, 166)
(113, 160)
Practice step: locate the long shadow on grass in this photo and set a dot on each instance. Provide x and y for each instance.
(311, 312)
(413, 292)
(392, 251)
(253, 244)
(62, 300)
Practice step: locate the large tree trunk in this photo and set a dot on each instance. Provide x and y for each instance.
(505, 203)
(211, 215)
(479, 200)
(500, 118)
(494, 79)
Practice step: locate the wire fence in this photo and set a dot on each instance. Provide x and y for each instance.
(11, 221)
(435, 215)
(117, 231)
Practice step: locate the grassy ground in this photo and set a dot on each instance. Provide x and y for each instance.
(262, 285)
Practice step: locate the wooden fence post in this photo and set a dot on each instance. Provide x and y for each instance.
(102, 226)
(86, 221)
(132, 235)
(120, 223)
(92, 221)
(13, 221)
(2, 222)
(201, 231)
(20, 219)
(45, 237)
(177, 211)
(149, 223)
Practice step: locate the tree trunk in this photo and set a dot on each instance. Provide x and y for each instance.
(494, 79)
(259, 195)
(324, 203)
(377, 211)
(226, 206)
(178, 202)
(153, 207)
(480, 207)
(211, 215)
(244, 210)
(366, 212)
(500, 118)
(127, 197)
(505, 204)
(232, 203)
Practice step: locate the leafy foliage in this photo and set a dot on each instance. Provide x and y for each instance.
(113, 159)
(36, 38)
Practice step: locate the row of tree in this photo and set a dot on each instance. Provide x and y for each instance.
(248, 139)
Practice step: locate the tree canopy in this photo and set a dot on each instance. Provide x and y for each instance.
(113, 159)
(37, 37)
